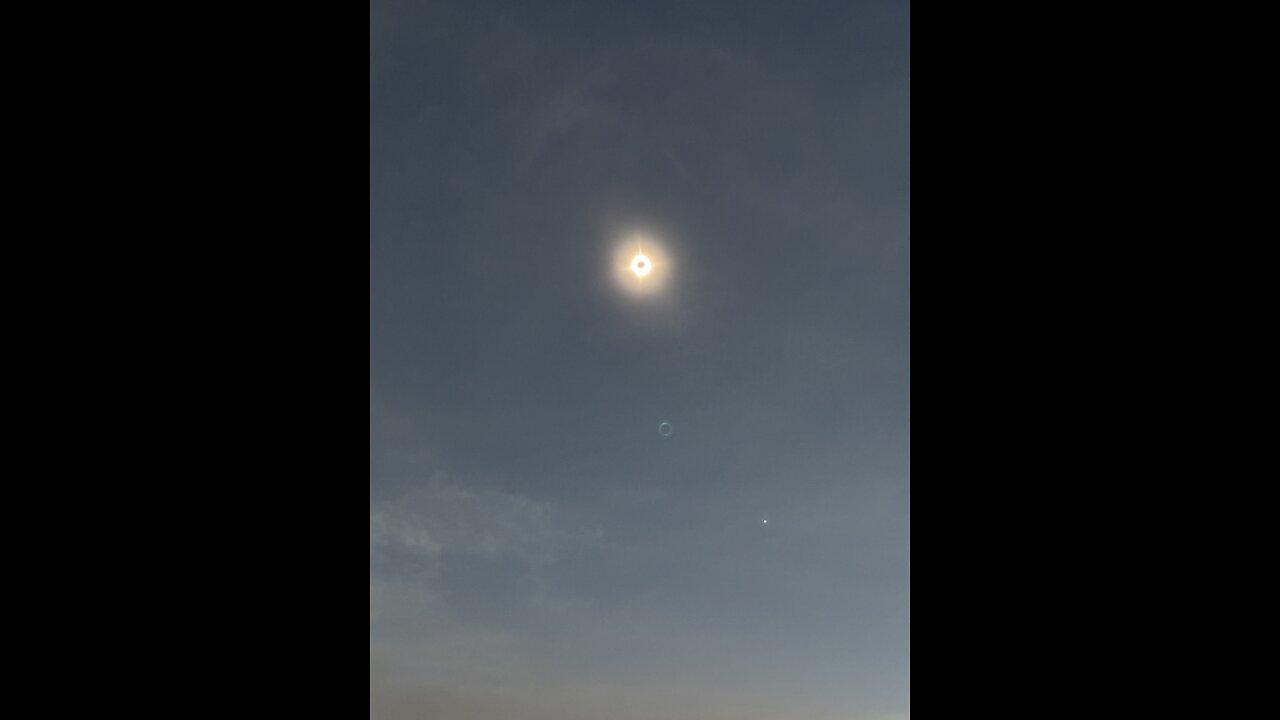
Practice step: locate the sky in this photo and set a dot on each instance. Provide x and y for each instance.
(537, 548)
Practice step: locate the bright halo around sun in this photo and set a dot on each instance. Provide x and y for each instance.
(641, 265)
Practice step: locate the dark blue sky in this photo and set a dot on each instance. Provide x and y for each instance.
(537, 548)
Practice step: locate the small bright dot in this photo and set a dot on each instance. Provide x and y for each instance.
(641, 265)
(766, 522)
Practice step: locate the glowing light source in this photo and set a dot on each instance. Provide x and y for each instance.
(642, 266)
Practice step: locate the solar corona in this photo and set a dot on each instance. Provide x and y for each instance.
(642, 266)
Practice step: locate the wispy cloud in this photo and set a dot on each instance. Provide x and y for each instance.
(444, 519)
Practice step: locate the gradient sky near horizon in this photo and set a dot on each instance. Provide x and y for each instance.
(537, 549)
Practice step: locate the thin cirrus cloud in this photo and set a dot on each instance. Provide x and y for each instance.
(443, 518)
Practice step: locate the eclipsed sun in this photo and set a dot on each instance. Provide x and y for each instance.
(642, 266)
